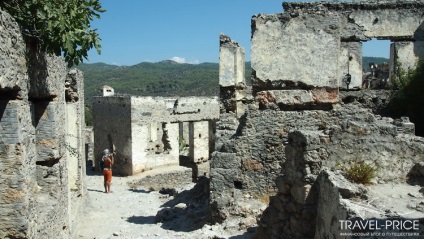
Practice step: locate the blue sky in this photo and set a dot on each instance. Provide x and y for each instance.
(135, 31)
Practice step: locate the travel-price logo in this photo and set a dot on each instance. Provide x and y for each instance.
(380, 227)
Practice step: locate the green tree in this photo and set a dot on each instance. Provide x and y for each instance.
(61, 27)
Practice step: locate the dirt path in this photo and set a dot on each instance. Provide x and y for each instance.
(130, 213)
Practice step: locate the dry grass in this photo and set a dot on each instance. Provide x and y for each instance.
(359, 172)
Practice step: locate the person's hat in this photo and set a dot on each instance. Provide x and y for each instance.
(106, 151)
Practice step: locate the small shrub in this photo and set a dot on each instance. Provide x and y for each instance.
(359, 172)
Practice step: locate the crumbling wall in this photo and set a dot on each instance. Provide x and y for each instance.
(112, 130)
(146, 130)
(351, 135)
(295, 52)
(35, 194)
(76, 150)
(399, 22)
(294, 126)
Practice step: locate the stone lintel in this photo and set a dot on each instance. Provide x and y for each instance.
(299, 97)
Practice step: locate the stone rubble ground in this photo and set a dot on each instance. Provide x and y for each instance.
(130, 213)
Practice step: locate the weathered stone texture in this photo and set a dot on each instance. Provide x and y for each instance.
(75, 139)
(367, 19)
(299, 51)
(49, 125)
(35, 197)
(385, 23)
(307, 199)
(376, 100)
(350, 62)
(199, 141)
(251, 161)
(112, 124)
(13, 71)
(408, 54)
(46, 75)
(231, 64)
(17, 162)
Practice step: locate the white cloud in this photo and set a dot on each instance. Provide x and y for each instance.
(178, 59)
(183, 60)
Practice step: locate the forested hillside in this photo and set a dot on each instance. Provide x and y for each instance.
(165, 78)
(376, 60)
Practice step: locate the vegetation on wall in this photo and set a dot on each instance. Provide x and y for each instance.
(409, 98)
(60, 27)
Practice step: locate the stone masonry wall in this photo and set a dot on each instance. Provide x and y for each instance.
(34, 193)
(75, 143)
(296, 127)
(295, 52)
(145, 131)
(359, 139)
(112, 129)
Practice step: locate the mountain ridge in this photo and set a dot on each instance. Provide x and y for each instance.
(163, 78)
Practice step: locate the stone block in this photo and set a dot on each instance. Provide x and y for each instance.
(298, 98)
(47, 75)
(50, 130)
(292, 97)
(231, 62)
(286, 50)
(12, 113)
(386, 22)
(325, 95)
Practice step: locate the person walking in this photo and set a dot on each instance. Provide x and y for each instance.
(107, 170)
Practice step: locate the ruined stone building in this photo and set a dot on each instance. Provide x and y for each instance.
(149, 132)
(41, 140)
(289, 136)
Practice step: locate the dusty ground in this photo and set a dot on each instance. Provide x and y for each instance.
(130, 213)
(392, 200)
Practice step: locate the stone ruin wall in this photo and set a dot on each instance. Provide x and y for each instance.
(148, 132)
(316, 30)
(287, 135)
(41, 146)
(112, 117)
